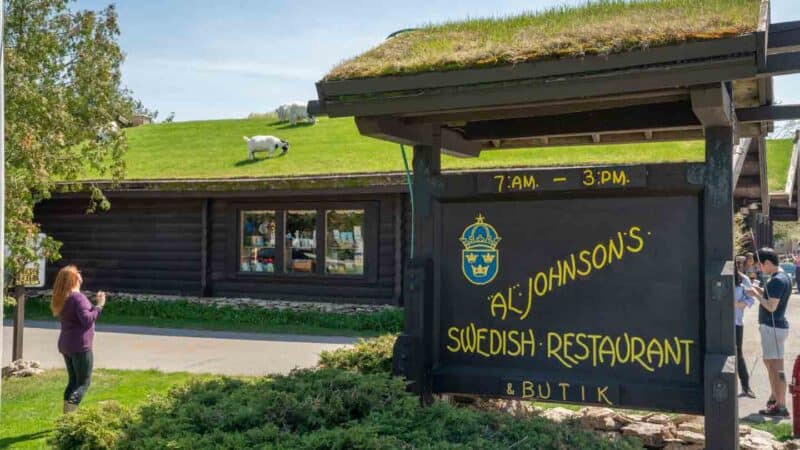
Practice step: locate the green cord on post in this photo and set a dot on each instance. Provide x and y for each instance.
(411, 193)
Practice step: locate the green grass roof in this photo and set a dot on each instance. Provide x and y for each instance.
(779, 154)
(598, 28)
(215, 149)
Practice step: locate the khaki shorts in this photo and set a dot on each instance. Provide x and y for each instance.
(769, 349)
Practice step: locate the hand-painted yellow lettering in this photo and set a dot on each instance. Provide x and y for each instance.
(530, 341)
(568, 337)
(563, 387)
(601, 395)
(516, 182)
(607, 349)
(579, 340)
(620, 177)
(498, 302)
(528, 389)
(634, 234)
(540, 284)
(530, 182)
(636, 354)
(655, 351)
(588, 177)
(544, 395)
(481, 337)
(687, 343)
(605, 176)
(495, 342)
(452, 334)
(585, 256)
(599, 263)
(554, 344)
(500, 182)
(512, 338)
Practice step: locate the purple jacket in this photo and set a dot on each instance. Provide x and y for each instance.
(77, 324)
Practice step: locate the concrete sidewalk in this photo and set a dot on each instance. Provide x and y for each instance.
(177, 350)
(759, 382)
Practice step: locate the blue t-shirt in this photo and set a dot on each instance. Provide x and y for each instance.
(740, 296)
(778, 287)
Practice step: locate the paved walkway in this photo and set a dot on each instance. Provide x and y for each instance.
(174, 350)
(748, 408)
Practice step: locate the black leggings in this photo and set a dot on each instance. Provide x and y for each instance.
(744, 377)
(79, 370)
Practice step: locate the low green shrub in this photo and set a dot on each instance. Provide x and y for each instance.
(183, 313)
(9, 303)
(368, 356)
(332, 409)
(96, 427)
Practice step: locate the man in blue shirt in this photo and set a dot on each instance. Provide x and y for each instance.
(773, 326)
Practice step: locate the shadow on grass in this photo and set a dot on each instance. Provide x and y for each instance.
(9, 441)
(256, 160)
(289, 125)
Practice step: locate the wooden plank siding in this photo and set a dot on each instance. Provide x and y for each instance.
(148, 246)
(156, 245)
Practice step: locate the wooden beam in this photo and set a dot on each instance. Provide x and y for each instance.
(739, 157)
(394, 130)
(712, 105)
(719, 371)
(762, 35)
(784, 37)
(549, 108)
(768, 113)
(630, 118)
(782, 64)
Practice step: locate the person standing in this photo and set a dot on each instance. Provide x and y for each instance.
(741, 301)
(750, 268)
(773, 326)
(77, 316)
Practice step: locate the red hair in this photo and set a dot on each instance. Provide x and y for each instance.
(66, 280)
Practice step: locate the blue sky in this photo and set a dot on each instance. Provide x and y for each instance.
(207, 59)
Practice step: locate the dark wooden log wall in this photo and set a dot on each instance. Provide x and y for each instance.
(139, 245)
(157, 246)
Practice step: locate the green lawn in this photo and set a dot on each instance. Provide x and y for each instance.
(215, 149)
(30, 405)
(597, 27)
(779, 154)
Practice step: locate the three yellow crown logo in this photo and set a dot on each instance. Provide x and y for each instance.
(480, 262)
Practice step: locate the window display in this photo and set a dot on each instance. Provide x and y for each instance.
(257, 241)
(301, 241)
(344, 253)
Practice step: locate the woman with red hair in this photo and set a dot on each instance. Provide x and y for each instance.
(77, 317)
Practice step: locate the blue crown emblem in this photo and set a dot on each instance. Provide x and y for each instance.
(480, 257)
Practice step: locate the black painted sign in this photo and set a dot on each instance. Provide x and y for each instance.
(562, 179)
(588, 300)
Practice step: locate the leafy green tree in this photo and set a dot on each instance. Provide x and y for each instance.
(63, 90)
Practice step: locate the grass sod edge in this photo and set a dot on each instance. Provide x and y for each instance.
(594, 28)
(189, 315)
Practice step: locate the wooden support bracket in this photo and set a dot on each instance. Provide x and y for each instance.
(394, 130)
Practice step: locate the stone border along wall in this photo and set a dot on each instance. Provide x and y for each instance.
(237, 303)
(655, 430)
